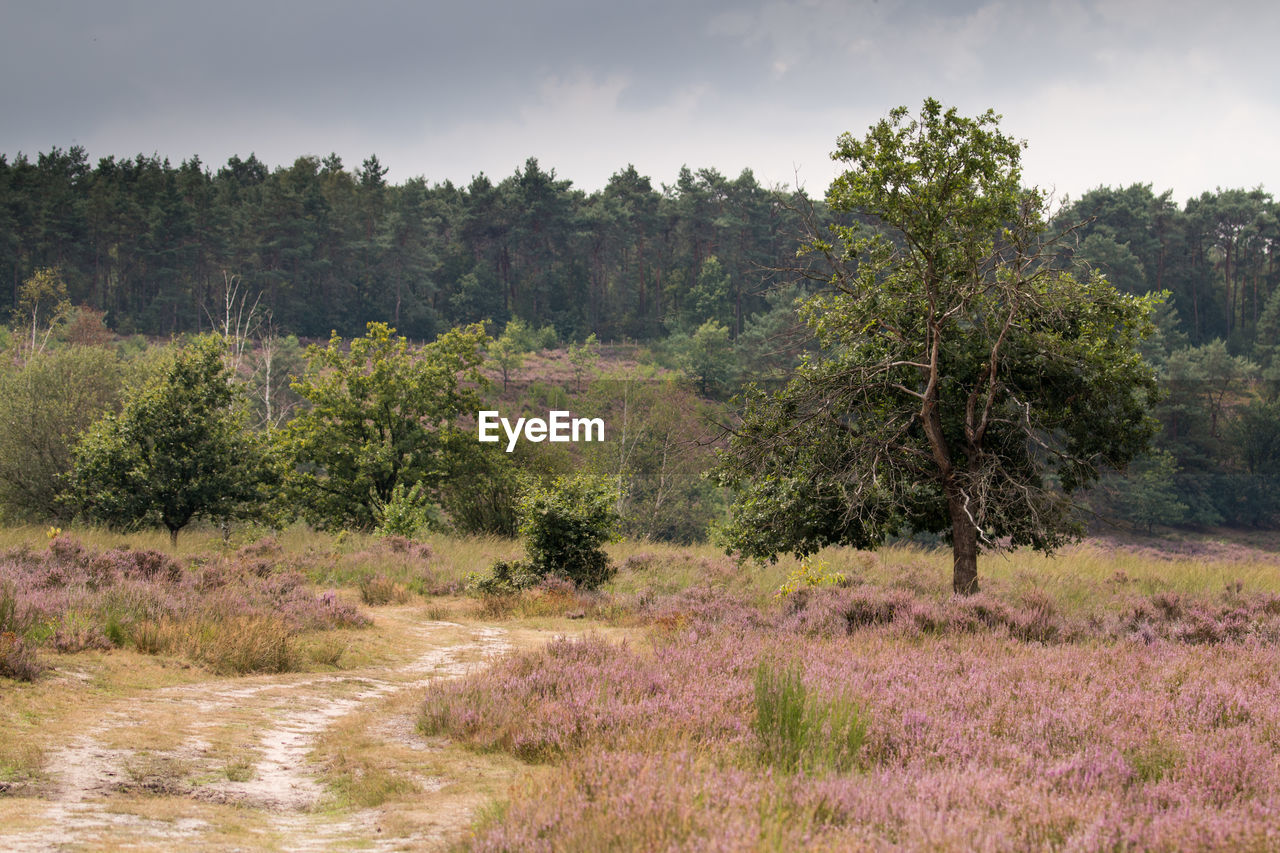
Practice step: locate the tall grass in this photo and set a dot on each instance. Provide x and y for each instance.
(800, 730)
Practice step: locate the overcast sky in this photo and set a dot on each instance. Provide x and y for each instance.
(1182, 95)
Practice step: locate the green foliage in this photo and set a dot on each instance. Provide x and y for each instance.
(525, 339)
(505, 577)
(1147, 496)
(178, 450)
(800, 730)
(709, 299)
(507, 356)
(811, 573)
(964, 385)
(772, 341)
(481, 493)
(706, 357)
(659, 445)
(46, 403)
(380, 414)
(584, 358)
(565, 526)
(408, 513)
(516, 341)
(42, 307)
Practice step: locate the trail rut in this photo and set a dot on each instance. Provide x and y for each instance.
(268, 796)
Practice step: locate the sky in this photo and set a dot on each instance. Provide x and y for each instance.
(1180, 95)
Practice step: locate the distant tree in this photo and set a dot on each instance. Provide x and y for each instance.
(584, 357)
(965, 386)
(508, 351)
(274, 361)
(178, 450)
(706, 357)
(45, 405)
(659, 448)
(86, 328)
(380, 414)
(42, 306)
(1148, 494)
(710, 297)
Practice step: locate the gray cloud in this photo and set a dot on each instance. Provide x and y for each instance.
(1105, 91)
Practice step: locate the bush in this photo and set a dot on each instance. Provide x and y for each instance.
(506, 577)
(17, 660)
(566, 526)
(407, 513)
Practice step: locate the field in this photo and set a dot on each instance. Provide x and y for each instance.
(306, 691)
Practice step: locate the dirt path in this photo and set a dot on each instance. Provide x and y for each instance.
(227, 763)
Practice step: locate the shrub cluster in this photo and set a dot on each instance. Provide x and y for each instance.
(235, 615)
(565, 526)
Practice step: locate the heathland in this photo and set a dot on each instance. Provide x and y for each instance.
(945, 524)
(308, 690)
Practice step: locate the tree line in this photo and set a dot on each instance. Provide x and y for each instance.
(703, 272)
(330, 248)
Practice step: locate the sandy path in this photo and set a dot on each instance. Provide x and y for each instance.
(276, 796)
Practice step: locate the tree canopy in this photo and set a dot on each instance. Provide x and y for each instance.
(178, 449)
(380, 415)
(964, 385)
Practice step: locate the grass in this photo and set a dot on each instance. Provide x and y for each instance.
(874, 711)
(21, 766)
(799, 729)
(1112, 680)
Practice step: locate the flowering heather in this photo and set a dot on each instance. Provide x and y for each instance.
(545, 704)
(990, 725)
(70, 598)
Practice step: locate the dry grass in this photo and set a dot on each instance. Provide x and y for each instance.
(21, 766)
(229, 645)
(378, 589)
(1078, 578)
(159, 775)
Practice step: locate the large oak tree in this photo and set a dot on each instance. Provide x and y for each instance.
(963, 384)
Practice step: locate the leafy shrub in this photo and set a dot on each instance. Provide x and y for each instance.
(811, 573)
(566, 526)
(525, 338)
(409, 512)
(505, 577)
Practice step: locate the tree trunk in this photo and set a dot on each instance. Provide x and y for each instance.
(173, 537)
(964, 547)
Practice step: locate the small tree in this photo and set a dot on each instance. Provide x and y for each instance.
(706, 357)
(380, 414)
(1148, 495)
(964, 385)
(42, 306)
(583, 357)
(565, 526)
(178, 450)
(507, 354)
